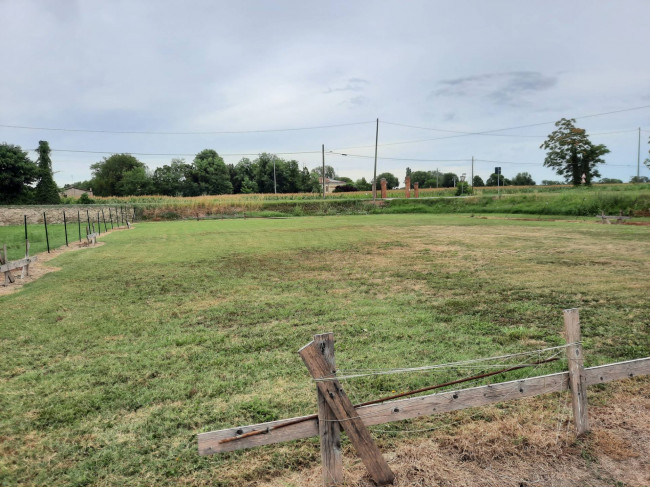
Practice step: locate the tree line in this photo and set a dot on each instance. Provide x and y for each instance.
(23, 181)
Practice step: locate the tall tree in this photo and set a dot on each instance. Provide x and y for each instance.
(329, 171)
(46, 192)
(478, 181)
(570, 152)
(108, 174)
(209, 174)
(169, 179)
(391, 180)
(449, 180)
(17, 173)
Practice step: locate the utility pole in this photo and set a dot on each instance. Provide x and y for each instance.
(472, 173)
(374, 176)
(323, 174)
(275, 186)
(638, 157)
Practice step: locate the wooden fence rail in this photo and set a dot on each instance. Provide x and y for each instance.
(335, 411)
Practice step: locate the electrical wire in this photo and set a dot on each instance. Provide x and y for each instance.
(215, 132)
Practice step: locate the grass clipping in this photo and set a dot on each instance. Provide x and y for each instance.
(521, 444)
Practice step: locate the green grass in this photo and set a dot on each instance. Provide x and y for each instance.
(112, 365)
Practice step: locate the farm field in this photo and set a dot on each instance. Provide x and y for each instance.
(110, 366)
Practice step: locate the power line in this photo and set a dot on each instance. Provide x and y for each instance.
(216, 132)
(176, 154)
(523, 126)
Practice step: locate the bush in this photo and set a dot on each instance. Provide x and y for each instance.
(345, 188)
(84, 199)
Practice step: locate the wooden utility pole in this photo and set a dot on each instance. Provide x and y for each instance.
(638, 158)
(577, 378)
(472, 172)
(374, 176)
(323, 174)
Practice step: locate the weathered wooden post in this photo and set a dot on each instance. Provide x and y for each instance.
(577, 378)
(328, 427)
(343, 409)
(416, 189)
(383, 188)
(407, 186)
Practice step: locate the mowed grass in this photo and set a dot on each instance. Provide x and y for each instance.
(112, 365)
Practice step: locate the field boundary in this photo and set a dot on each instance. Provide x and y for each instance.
(333, 411)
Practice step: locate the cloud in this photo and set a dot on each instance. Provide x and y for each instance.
(502, 88)
(353, 84)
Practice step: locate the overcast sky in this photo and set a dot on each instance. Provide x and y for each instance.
(191, 66)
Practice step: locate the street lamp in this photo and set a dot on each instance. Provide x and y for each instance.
(462, 180)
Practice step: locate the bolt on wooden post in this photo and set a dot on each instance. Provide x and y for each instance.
(577, 377)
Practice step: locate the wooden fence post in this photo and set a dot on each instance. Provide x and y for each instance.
(347, 415)
(577, 378)
(328, 427)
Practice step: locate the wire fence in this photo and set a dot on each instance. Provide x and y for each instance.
(50, 228)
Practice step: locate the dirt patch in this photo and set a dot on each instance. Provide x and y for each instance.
(39, 268)
(528, 445)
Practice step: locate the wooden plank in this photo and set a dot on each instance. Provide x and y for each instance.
(8, 276)
(345, 412)
(328, 428)
(424, 405)
(577, 378)
(15, 264)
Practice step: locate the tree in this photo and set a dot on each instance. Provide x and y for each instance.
(391, 181)
(549, 182)
(46, 192)
(478, 182)
(492, 180)
(572, 154)
(17, 173)
(609, 181)
(523, 179)
(363, 185)
(170, 179)
(135, 182)
(449, 180)
(637, 179)
(329, 171)
(108, 174)
(209, 174)
(420, 177)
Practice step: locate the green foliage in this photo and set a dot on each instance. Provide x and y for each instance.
(84, 199)
(570, 152)
(449, 179)
(391, 180)
(17, 173)
(46, 192)
(636, 179)
(550, 182)
(523, 179)
(171, 180)
(363, 185)
(329, 171)
(463, 188)
(109, 173)
(478, 182)
(208, 175)
(612, 181)
(499, 180)
(345, 188)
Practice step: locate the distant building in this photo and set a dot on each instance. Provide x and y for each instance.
(76, 193)
(330, 184)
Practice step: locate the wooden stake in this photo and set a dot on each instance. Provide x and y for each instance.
(328, 428)
(25, 271)
(348, 417)
(577, 378)
(8, 277)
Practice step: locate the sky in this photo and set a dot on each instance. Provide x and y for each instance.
(185, 73)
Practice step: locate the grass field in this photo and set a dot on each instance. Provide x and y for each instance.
(112, 365)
